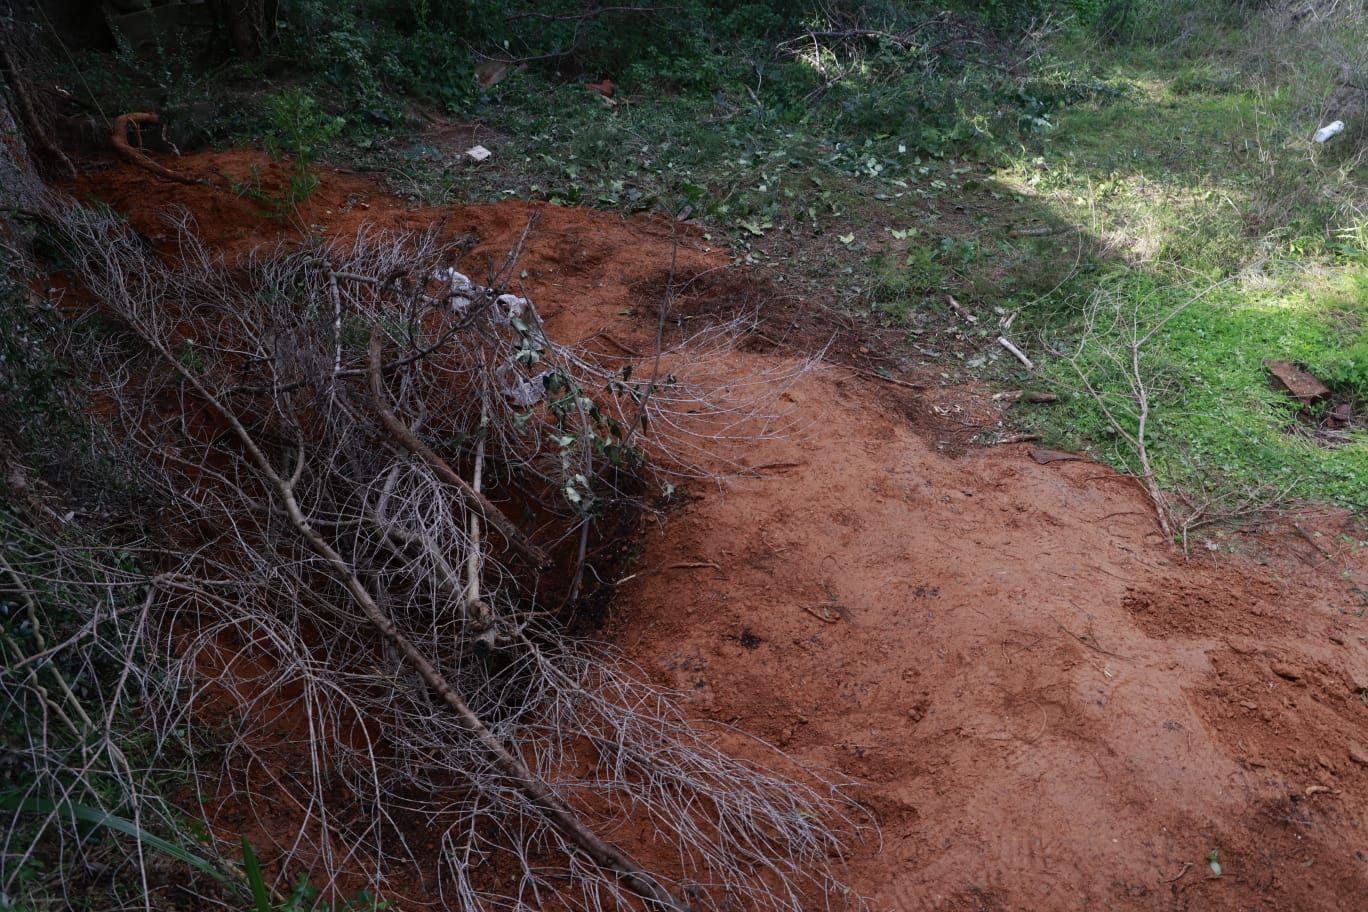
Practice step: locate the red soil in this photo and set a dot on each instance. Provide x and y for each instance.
(1046, 706)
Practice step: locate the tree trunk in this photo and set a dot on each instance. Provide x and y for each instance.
(19, 180)
(249, 23)
(20, 118)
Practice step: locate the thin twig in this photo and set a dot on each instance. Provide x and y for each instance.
(964, 314)
(1018, 353)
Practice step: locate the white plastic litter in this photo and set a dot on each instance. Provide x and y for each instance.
(459, 283)
(461, 290)
(510, 308)
(477, 154)
(526, 392)
(1328, 131)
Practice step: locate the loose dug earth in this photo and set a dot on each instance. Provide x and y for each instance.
(1043, 703)
(1047, 707)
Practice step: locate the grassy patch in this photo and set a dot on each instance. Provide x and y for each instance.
(1160, 171)
(1216, 422)
(1202, 176)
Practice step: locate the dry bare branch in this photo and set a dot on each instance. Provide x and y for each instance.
(311, 613)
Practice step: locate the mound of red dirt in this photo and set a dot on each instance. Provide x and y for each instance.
(581, 266)
(1044, 704)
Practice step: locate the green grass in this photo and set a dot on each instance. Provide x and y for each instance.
(1172, 155)
(1216, 422)
(1192, 180)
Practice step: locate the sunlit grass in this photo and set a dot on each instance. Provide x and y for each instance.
(1194, 179)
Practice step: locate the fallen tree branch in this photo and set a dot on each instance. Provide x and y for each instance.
(964, 314)
(875, 375)
(901, 40)
(371, 738)
(1132, 342)
(537, 792)
(1043, 231)
(589, 14)
(1020, 355)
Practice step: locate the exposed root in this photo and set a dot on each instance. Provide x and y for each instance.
(118, 136)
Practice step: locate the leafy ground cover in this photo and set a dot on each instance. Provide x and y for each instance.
(1132, 177)
(1208, 189)
(1040, 162)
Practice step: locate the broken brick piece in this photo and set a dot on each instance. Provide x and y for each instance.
(1296, 382)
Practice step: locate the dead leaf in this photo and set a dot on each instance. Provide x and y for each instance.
(490, 72)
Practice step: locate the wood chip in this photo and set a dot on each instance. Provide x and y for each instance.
(1294, 381)
(829, 613)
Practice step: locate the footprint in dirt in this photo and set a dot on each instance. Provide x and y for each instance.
(986, 876)
(687, 673)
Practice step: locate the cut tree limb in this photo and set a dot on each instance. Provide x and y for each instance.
(536, 556)
(875, 375)
(1043, 231)
(556, 812)
(964, 314)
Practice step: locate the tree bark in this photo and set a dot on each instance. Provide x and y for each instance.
(20, 186)
(249, 23)
(26, 114)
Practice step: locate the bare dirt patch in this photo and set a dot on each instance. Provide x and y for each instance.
(1043, 698)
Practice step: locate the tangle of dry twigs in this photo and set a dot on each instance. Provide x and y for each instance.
(343, 448)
